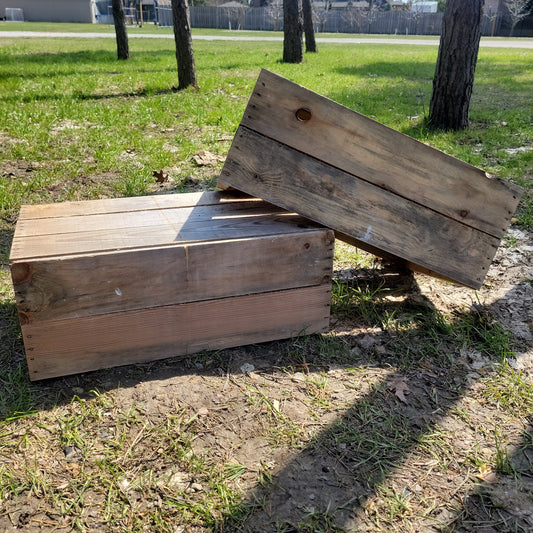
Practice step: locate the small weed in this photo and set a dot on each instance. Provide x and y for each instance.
(510, 240)
(316, 387)
(510, 391)
(317, 350)
(319, 521)
(279, 429)
(234, 471)
(525, 217)
(502, 461)
(438, 444)
(485, 334)
(363, 303)
(396, 503)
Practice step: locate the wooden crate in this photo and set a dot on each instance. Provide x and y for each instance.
(111, 282)
(377, 188)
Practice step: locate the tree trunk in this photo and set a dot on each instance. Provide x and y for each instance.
(182, 35)
(456, 64)
(123, 50)
(309, 30)
(292, 32)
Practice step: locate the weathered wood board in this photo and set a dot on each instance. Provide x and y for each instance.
(109, 282)
(377, 188)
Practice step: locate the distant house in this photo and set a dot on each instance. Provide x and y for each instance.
(424, 7)
(53, 10)
(341, 4)
(492, 7)
(232, 5)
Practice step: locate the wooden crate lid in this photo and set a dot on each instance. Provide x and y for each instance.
(98, 226)
(378, 188)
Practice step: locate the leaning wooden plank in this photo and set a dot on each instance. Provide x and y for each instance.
(83, 285)
(370, 214)
(321, 128)
(78, 345)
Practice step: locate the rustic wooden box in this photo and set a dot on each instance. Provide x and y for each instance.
(110, 282)
(379, 189)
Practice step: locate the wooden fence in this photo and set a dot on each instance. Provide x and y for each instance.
(346, 20)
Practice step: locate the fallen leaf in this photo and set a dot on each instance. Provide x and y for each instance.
(160, 177)
(400, 388)
(487, 475)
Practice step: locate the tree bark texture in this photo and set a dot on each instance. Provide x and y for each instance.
(309, 30)
(184, 52)
(292, 32)
(456, 64)
(123, 50)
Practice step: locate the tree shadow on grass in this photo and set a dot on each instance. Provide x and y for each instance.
(505, 504)
(350, 476)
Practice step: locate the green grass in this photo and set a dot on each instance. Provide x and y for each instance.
(77, 124)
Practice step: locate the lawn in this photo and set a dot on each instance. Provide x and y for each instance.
(412, 413)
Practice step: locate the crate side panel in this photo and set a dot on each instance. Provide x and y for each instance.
(369, 214)
(84, 285)
(56, 348)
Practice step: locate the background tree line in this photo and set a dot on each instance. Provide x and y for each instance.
(454, 72)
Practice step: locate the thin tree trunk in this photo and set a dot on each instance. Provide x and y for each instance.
(309, 30)
(123, 50)
(456, 64)
(292, 32)
(184, 52)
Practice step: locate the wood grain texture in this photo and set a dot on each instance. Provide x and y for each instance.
(114, 222)
(92, 284)
(63, 347)
(136, 203)
(369, 214)
(375, 153)
(96, 233)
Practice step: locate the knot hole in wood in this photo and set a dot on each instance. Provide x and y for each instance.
(21, 272)
(24, 318)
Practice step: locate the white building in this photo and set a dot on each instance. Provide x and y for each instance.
(53, 10)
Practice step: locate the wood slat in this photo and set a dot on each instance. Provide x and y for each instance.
(370, 214)
(84, 285)
(78, 345)
(114, 222)
(66, 244)
(375, 153)
(138, 203)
